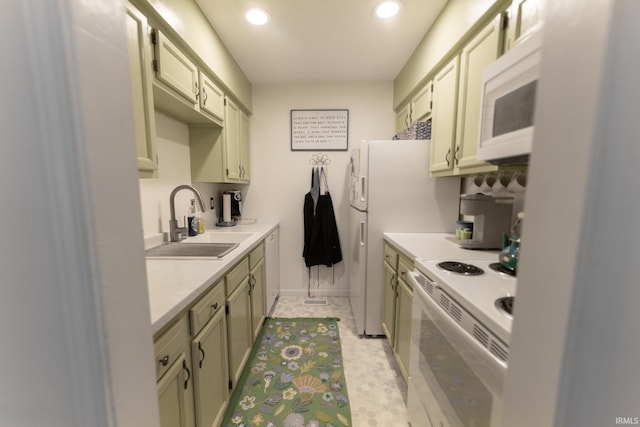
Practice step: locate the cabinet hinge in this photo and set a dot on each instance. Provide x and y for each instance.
(226, 309)
(155, 65)
(505, 21)
(227, 172)
(230, 384)
(430, 105)
(225, 102)
(154, 37)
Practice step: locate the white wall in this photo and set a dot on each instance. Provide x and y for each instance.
(172, 146)
(74, 313)
(280, 177)
(575, 348)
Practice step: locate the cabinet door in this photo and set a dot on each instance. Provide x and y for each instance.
(525, 17)
(481, 51)
(175, 69)
(245, 171)
(403, 118)
(389, 303)
(140, 58)
(257, 284)
(443, 116)
(211, 371)
(239, 336)
(421, 103)
(403, 326)
(231, 137)
(175, 393)
(211, 97)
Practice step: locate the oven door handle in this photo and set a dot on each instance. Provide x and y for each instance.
(451, 328)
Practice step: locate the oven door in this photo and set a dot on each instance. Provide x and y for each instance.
(457, 380)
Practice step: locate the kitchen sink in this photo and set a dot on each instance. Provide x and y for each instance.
(195, 250)
(219, 237)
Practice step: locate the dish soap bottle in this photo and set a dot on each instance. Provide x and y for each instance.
(192, 225)
(200, 223)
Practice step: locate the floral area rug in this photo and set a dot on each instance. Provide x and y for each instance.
(294, 377)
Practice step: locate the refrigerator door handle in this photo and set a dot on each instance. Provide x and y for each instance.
(362, 242)
(362, 188)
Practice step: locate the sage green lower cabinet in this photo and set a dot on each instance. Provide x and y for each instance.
(403, 326)
(211, 371)
(389, 303)
(239, 331)
(200, 356)
(175, 376)
(257, 282)
(397, 303)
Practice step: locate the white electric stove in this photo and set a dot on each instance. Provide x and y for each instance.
(476, 293)
(460, 342)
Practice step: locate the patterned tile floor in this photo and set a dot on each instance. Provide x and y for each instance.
(376, 388)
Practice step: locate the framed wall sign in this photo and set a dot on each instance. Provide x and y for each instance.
(319, 130)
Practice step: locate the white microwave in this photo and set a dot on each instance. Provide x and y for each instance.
(509, 87)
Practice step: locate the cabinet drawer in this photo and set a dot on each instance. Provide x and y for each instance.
(391, 256)
(405, 265)
(237, 275)
(255, 256)
(207, 307)
(170, 345)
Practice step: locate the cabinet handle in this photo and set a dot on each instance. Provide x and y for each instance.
(446, 157)
(455, 155)
(201, 351)
(186, 382)
(214, 306)
(204, 92)
(197, 91)
(164, 361)
(392, 280)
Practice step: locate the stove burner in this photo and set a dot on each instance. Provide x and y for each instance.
(496, 266)
(505, 305)
(461, 268)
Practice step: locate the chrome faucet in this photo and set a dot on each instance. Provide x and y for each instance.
(178, 233)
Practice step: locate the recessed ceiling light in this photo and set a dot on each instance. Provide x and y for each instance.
(387, 9)
(257, 16)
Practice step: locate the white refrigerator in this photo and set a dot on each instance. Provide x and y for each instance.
(390, 191)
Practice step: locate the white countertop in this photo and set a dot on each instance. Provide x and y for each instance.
(174, 284)
(435, 246)
(477, 294)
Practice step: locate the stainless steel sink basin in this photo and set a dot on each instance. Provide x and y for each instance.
(190, 250)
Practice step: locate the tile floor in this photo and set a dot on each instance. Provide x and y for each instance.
(376, 388)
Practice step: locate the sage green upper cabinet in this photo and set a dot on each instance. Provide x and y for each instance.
(479, 52)
(232, 137)
(142, 91)
(221, 154)
(211, 97)
(403, 117)
(243, 133)
(443, 118)
(421, 103)
(418, 108)
(525, 17)
(175, 69)
(181, 89)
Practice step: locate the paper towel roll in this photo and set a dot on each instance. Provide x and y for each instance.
(226, 208)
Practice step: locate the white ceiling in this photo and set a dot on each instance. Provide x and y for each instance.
(320, 40)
